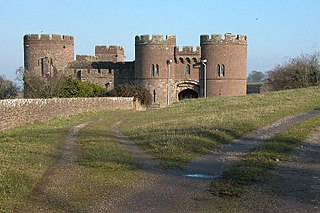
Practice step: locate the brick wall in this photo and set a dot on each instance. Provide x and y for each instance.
(14, 112)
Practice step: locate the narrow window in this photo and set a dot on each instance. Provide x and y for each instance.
(110, 71)
(157, 70)
(79, 74)
(222, 70)
(152, 70)
(188, 69)
(99, 71)
(218, 70)
(154, 95)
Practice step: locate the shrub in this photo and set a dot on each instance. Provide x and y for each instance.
(63, 87)
(303, 71)
(130, 90)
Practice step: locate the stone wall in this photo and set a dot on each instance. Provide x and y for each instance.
(14, 112)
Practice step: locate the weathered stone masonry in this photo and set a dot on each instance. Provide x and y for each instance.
(14, 112)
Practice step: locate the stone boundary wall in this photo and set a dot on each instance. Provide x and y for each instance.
(14, 112)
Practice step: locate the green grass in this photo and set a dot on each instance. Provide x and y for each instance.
(190, 128)
(176, 135)
(27, 152)
(258, 165)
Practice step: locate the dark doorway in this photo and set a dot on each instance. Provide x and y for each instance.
(187, 93)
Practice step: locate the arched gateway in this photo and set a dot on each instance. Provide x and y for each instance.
(187, 93)
(187, 89)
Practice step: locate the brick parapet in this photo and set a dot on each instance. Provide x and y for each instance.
(155, 39)
(187, 50)
(43, 38)
(227, 39)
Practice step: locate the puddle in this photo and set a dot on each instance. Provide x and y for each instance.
(203, 176)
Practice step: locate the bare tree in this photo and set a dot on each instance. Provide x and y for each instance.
(256, 76)
(8, 89)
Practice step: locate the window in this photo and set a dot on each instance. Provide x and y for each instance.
(188, 69)
(220, 70)
(99, 71)
(157, 70)
(152, 70)
(79, 74)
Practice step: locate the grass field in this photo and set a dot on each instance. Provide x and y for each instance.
(176, 135)
(191, 128)
(26, 153)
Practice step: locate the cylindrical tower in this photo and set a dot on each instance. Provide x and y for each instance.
(226, 64)
(45, 55)
(151, 66)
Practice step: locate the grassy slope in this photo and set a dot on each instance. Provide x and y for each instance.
(191, 128)
(176, 134)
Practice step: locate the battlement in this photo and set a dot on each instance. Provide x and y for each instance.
(85, 58)
(48, 37)
(155, 39)
(228, 39)
(187, 50)
(103, 49)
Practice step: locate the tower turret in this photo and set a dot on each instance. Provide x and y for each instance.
(45, 55)
(226, 64)
(151, 67)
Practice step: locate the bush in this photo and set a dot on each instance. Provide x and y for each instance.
(78, 88)
(62, 87)
(130, 90)
(303, 71)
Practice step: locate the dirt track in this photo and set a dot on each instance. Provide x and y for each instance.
(172, 191)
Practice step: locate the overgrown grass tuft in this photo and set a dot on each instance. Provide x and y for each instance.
(258, 165)
(191, 128)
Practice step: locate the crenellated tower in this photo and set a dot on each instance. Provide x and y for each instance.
(226, 64)
(46, 55)
(152, 53)
(110, 53)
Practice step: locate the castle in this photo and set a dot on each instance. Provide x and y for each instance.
(216, 68)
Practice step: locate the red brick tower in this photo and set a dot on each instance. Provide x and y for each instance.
(151, 66)
(46, 55)
(226, 64)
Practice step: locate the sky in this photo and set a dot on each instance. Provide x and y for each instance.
(277, 30)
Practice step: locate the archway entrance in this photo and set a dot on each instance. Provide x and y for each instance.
(187, 93)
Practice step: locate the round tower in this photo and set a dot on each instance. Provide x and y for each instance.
(153, 57)
(226, 64)
(45, 55)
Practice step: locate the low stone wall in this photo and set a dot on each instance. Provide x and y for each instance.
(14, 112)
